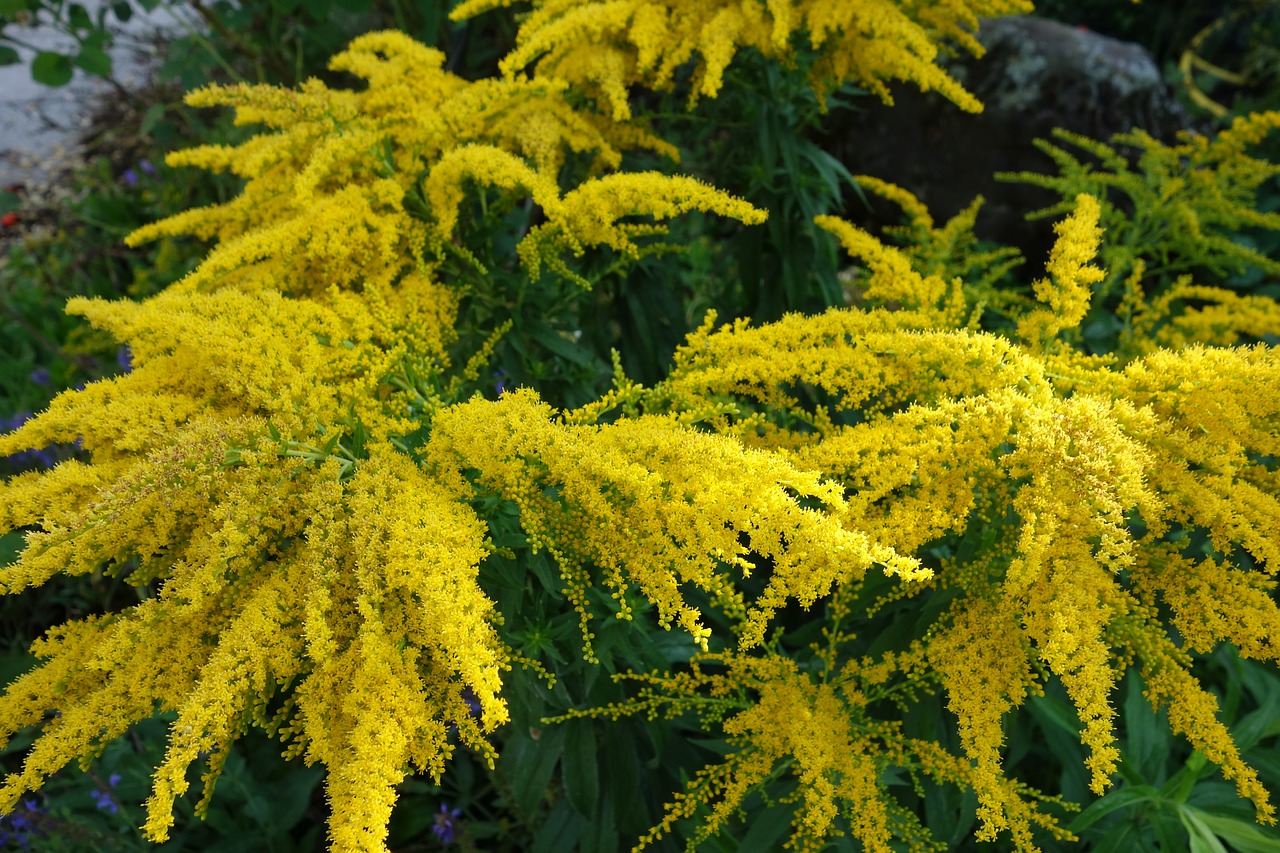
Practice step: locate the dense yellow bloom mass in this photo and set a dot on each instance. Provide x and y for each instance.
(605, 47)
(249, 471)
(225, 477)
(656, 505)
(357, 190)
(961, 431)
(1068, 290)
(290, 477)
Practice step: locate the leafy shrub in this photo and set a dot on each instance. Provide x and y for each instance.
(850, 555)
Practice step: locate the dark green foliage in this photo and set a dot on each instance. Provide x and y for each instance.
(581, 784)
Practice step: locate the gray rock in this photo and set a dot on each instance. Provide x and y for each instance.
(1036, 75)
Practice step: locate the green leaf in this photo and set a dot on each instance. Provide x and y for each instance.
(560, 832)
(151, 118)
(1058, 715)
(1261, 723)
(528, 765)
(9, 56)
(545, 573)
(1118, 799)
(578, 766)
(11, 545)
(78, 18)
(600, 835)
(1202, 838)
(1118, 840)
(768, 826)
(52, 69)
(1179, 786)
(10, 8)
(622, 776)
(1243, 836)
(1168, 837)
(1148, 742)
(15, 664)
(9, 202)
(94, 60)
(560, 345)
(122, 11)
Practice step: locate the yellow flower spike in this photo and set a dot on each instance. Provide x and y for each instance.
(941, 269)
(1193, 713)
(332, 196)
(607, 46)
(1068, 290)
(257, 647)
(893, 280)
(486, 164)
(916, 211)
(682, 501)
(386, 57)
(1225, 318)
(590, 214)
(1248, 130)
(983, 661)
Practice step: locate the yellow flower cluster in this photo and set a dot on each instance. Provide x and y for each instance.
(912, 279)
(1186, 313)
(1069, 288)
(1170, 215)
(225, 478)
(249, 473)
(357, 190)
(288, 477)
(590, 216)
(949, 252)
(654, 505)
(227, 357)
(960, 432)
(605, 47)
(819, 730)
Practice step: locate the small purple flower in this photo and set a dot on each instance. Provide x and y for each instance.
(500, 378)
(46, 457)
(18, 826)
(124, 358)
(25, 460)
(102, 797)
(41, 376)
(446, 823)
(11, 423)
(104, 802)
(473, 702)
(130, 176)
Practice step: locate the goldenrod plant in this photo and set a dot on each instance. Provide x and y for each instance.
(609, 47)
(844, 552)
(1180, 219)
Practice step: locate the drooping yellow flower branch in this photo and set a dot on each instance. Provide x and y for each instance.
(937, 434)
(242, 473)
(656, 505)
(1067, 291)
(289, 479)
(605, 47)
